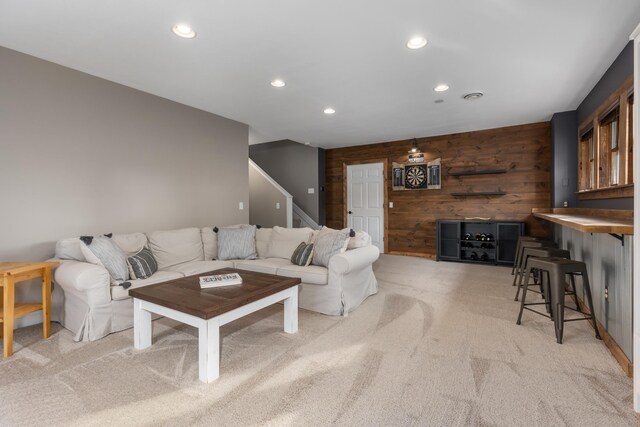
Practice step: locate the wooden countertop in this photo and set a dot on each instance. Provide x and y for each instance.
(589, 220)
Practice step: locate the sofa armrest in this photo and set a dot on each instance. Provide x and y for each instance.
(354, 259)
(81, 277)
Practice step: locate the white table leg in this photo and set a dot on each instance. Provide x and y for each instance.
(209, 350)
(142, 326)
(291, 312)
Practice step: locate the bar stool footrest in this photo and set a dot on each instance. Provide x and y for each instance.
(575, 320)
(537, 312)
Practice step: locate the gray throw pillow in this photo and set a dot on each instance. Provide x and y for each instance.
(142, 265)
(329, 243)
(107, 254)
(303, 254)
(237, 243)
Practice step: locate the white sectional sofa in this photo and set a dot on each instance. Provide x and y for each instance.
(85, 301)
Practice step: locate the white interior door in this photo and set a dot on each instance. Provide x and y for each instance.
(365, 200)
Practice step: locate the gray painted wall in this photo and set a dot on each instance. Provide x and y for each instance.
(262, 201)
(82, 155)
(621, 68)
(564, 170)
(296, 168)
(565, 149)
(615, 75)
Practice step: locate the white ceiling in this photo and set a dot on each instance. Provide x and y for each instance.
(531, 58)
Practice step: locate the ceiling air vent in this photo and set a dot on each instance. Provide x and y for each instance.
(473, 95)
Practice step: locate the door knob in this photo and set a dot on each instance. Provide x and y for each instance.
(350, 212)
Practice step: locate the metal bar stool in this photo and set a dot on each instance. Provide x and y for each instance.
(529, 244)
(521, 239)
(557, 269)
(541, 252)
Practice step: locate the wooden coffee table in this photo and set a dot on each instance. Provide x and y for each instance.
(208, 309)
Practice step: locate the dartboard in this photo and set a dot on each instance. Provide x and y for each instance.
(415, 176)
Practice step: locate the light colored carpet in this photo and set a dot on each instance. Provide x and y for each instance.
(438, 345)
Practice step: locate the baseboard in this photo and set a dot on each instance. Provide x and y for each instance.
(414, 254)
(611, 344)
(616, 351)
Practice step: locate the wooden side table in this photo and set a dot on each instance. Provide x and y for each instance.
(12, 273)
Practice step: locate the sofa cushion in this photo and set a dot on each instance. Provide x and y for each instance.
(263, 235)
(70, 249)
(209, 243)
(284, 241)
(199, 267)
(120, 293)
(131, 243)
(360, 240)
(266, 265)
(174, 247)
(329, 243)
(237, 243)
(142, 265)
(312, 274)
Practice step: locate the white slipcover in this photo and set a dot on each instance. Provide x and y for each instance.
(175, 247)
(84, 302)
(266, 265)
(132, 243)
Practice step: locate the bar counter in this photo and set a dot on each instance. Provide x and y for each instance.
(590, 220)
(602, 239)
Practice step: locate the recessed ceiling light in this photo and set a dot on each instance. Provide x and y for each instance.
(184, 31)
(329, 110)
(473, 95)
(417, 42)
(278, 83)
(441, 88)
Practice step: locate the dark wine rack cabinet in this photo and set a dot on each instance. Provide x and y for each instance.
(484, 242)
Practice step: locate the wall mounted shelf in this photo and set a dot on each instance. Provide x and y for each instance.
(480, 172)
(479, 193)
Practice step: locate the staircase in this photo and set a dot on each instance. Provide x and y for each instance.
(301, 219)
(270, 204)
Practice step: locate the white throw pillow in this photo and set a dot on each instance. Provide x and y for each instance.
(284, 241)
(329, 243)
(326, 229)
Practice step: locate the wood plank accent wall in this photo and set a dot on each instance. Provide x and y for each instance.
(525, 151)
